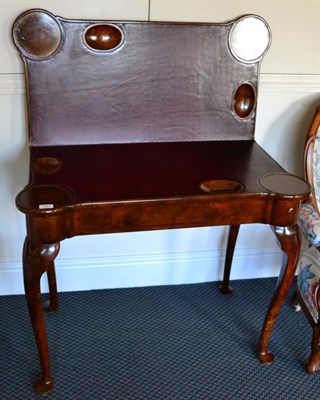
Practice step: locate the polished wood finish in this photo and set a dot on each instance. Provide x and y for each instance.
(289, 239)
(244, 100)
(38, 259)
(225, 288)
(154, 132)
(103, 37)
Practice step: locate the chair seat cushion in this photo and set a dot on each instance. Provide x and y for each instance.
(308, 279)
(309, 223)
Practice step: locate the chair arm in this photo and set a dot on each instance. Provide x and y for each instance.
(309, 224)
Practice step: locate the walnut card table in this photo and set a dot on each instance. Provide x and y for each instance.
(136, 126)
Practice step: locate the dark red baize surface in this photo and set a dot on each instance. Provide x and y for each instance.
(153, 170)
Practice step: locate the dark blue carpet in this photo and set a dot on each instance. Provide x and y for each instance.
(169, 342)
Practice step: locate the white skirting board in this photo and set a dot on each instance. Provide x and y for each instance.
(147, 270)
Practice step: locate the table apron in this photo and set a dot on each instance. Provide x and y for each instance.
(144, 215)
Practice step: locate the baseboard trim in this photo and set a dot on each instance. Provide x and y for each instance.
(289, 83)
(147, 270)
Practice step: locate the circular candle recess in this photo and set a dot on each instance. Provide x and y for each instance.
(249, 39)
(44, 198)
(37, 34)
(103, 37)
(284, 184)
(244, 100)
(221, 186)
(46, 165)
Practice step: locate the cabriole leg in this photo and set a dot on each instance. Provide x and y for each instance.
(289, 240)
(52, 304)
(36, 260)
(313, 364)
(225, 288)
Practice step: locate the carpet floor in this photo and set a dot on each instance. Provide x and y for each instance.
(184, 342)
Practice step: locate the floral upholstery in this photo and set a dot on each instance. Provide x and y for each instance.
(309, 222)
(308, 280)
(309, 219)
(309, 262)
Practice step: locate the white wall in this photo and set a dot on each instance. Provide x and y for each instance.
(289, 92)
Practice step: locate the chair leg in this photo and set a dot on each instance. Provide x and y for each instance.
(313, 364)
(225, 288)
(36, 260)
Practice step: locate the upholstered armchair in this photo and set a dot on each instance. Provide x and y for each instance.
(309, 264)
